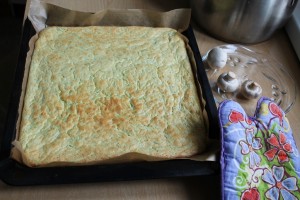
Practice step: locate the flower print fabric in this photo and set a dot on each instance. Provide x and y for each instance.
(250, 146)
(259, 157)
(275, 179)
(280, 147)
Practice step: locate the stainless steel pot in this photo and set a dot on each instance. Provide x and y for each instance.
(243, 21)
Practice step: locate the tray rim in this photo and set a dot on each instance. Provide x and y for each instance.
(14, 173)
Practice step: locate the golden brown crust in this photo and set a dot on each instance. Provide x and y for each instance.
(95, 93)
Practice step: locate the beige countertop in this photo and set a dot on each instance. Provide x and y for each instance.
(278, 47)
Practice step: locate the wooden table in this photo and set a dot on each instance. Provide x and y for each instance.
(278, 47)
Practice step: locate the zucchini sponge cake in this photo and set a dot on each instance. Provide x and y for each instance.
(96, 93)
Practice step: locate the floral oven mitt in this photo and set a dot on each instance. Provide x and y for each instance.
(259, 157)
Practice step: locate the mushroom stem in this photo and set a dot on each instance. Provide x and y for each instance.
(228, 82)
(251, 89)
(230, 76)
(253, 85)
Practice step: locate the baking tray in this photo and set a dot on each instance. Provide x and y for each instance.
(14, 173)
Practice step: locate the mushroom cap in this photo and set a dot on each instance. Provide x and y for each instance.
(251, 89)
(228, 82)
(216, 58)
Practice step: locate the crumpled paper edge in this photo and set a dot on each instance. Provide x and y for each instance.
(43, 14)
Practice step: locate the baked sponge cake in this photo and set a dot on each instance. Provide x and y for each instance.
(97, 93)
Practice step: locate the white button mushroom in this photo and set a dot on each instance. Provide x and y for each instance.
(216, 58)
(251, 89)
(228, 82)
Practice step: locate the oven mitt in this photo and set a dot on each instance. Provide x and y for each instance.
(259, 157)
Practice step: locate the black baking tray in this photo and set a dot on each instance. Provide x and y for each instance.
(14, 173)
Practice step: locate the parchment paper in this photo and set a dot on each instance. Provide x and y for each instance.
(43, 15)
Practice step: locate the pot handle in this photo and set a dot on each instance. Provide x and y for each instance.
(293, 3)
